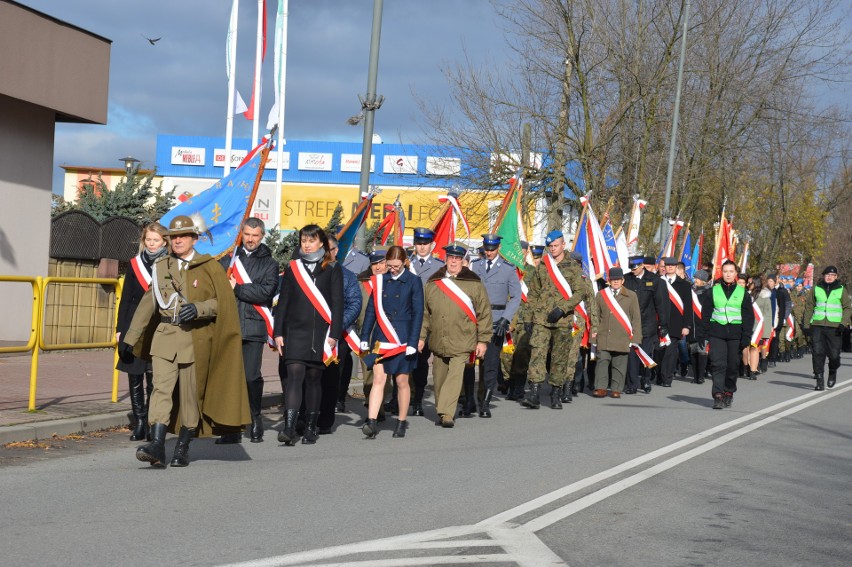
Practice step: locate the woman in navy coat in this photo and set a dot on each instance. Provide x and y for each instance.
(402, 303)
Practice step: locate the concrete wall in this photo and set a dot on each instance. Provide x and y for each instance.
(26, 158)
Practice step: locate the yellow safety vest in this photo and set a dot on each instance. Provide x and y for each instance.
(728, 310)
(828, 307)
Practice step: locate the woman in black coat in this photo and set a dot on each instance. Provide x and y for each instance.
(152, 246)
(402, 304)
(308, 326)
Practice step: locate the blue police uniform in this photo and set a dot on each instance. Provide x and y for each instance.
(356, 261)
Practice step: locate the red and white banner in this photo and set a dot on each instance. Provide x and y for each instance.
(241, 275)
(696, 305)
(791, 328)
(508, 343)
(565, 291)
(674, 297)
(758, 325)
(647, 361)
(309, 288)
(458, 212)
(524, 288)
(393, 345)
(635, 220)
(142, 274)
(617, 311)
(460, 298)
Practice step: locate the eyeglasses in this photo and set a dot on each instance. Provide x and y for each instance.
(394, 266)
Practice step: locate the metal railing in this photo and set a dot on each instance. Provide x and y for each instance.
(36, 340)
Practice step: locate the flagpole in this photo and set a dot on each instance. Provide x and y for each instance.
(230, 61)
(258, 61)
(683, 244)
(505, 204)
(579, 224)
(281, 45)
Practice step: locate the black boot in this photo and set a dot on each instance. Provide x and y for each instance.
(532, 399)
(255, 392)
(137, 405)
(155, 451)
(181, 456)
(567, 394)
(820, 386)
(469, 406)
(401, 426)
(764, 365)
(832, 378)
(484, 407)
(311, 433)
(787, 355)
(555, 397)
(417, 403)
(149, 389)
(718, 402)
(370, 428)
(288, 435)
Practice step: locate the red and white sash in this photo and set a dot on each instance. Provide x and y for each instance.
(142, 274)
(460, 298)
(309, 288)
(696, 305)
(508, 343)
(524, 288)
(565, 291)
(758, 327)
(393, 345)
(791, 328)
(665, 340)
(674, 297)
(647, 361)
(241, 275)
(624, 321)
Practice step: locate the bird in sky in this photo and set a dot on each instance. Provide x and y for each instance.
(152, 41)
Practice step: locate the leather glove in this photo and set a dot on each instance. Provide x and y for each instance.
(501, 326)
(807, 331)
(125, 352)
(664, 331)
(839, 331)
(187, 313)
(365, 346)
(410, 350)
(555, 315)
(528, 327)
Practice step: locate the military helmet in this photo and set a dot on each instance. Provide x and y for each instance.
(182, 224)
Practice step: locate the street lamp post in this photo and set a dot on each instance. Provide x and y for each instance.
(129, 162)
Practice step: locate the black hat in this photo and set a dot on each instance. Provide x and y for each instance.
(423, 235)
(634, 261)
(377, 255)
(830, 270)
(491, 241)
(455, 250)
(616, 274)
(537, 249)
(670, 261)
(650, 260)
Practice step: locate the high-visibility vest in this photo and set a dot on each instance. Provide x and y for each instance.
(728, 310)
(828, 307)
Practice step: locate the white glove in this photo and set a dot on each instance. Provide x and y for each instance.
(365, 346)
(409, 350)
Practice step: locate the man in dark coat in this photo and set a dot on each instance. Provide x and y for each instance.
(253, 274)
(698, 341)
(653, 304)
(827, 315)
(679, 322)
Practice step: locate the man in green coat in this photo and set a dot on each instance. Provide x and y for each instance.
(189, 318)
(827, 314)
(457, 322)
(619, 325)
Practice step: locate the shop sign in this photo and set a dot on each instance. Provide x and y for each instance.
(188, 156)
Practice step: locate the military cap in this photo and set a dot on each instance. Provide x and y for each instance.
(830, 270)
(455, 250)
(634, 261)
(650, 260)
(800, 281)
(423, 235)
(182, 224)
(491, 241)
(377, 255)
(553, 235)
(537, 249)
(702, 275)
(670, 261)
(616, 274)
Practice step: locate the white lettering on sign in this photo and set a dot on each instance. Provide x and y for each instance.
(314, 161)
(443, 166)
(188, 156)
(352, 162)
(400, 164)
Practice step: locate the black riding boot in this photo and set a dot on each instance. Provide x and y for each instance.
(288, 435)
(311, 433)
(255, 392)
(819, 382)
(764, 365)
(137, 405)
(555, 397)
(417, 402)
(155, 451)
(485, 409)
(567, 392)
(532, 399)
(469, 405)
(181, 456)
(832, 378)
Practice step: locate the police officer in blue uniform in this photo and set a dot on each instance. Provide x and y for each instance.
(423, 264)
(500, 279)
(356, 261)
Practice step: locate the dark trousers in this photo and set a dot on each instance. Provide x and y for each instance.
(346, 369)
(421, 375)
(724, 362)
(698, 358)
(252, 359)
(825, 342)
(331, 387)
(635, 368)
(670, 358)
(490, 365)
(773, 346)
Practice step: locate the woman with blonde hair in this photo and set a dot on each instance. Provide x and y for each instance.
(391, 331)
(152, 246)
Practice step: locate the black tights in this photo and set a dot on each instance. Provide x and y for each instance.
(298, 374)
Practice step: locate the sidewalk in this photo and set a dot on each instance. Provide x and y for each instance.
(74, 393)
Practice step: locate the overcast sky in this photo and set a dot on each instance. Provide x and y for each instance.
(178, 86)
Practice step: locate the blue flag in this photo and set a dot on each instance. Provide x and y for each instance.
(609, 238)
(694, 258)
(581, 245)
(346, 236)
(220, 209)
(686, 258)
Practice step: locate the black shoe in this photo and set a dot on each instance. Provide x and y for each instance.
(729, 399)
(667, 384)
(340, 407)
(754, 375)
(401, 426)
(155, 451)
(832, 379)
(370, 428)
(140, 432)
(629, 391)
(311, 433)
(555, 397)
(645, 385)
(230, 439)
(567, 394)
(418, 409)
(820, 386)
(288, 435)
(771, 364)
(181, 456)
(532, 400)
(484, 407)
(718, 403)
(256, 431)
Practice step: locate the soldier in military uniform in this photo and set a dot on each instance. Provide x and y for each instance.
(189, 318)
(500, 279)
(425, 265)
(456, 323)
(552, 304)
(521, 332)
(800, 341)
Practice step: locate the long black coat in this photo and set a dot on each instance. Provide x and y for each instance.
(653, 301)
(678, 320)
(131, 294)
(296, 319)
(263, 271)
